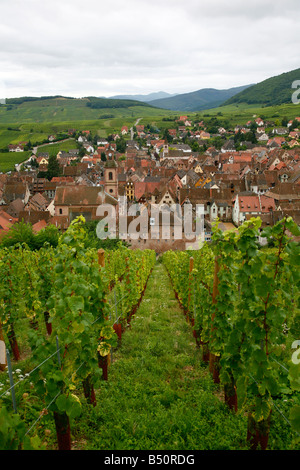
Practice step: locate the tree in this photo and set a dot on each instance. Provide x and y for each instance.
(121, 145)
(81, 151)
(53, 167)
(167, 136)
(20, 232)
(49, 234)
(34, 163)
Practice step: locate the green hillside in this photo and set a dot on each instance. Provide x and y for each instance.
(271, 92)
(61, 109)
(241, 113)
(198, 100)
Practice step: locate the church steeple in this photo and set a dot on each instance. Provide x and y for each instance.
(111, 178)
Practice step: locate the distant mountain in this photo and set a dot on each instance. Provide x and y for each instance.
(270, 92)
(205, 98)
(146, 98)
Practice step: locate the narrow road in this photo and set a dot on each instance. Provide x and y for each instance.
(34, 150)
(131, 129)
(159, 395)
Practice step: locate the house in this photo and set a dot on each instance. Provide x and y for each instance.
(288, 193)
(167, 197)
(82, 139)
(101, 142)
(6, 222)
(38, 202)
(88, 147)
(72, 201)
(248, 204)
(229, 146)
(182, 119)
(204, 135)
(263, 137)
(14, 208)
(295, 134)
(197, 168)
(15, 148)
(172, 132)
(15, 190)
(129, 190)
(42, 185)
(280, 130)
(34, 217)
(259, 122)
(221, 210)
(257, 183)
(42, 161)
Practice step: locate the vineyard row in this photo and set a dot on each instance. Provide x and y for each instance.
(60, 298)
(242, 301)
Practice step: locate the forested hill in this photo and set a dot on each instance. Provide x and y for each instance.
(270, 92)
(205, 98)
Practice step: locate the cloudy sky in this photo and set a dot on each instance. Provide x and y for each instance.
(91, 47)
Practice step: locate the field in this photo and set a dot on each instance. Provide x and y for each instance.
(241, 113)
(54, 148)
(66, 110)
(8, 160)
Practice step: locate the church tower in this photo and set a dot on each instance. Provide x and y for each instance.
(111, 178)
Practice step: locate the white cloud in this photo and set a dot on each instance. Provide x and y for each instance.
(102, 48)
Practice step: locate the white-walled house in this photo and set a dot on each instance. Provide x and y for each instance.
(251, 204)
(220, 210)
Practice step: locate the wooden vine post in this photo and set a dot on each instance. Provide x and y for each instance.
(3, 359)
(47, 323)
(63, 431)
(213, 359)
(102, 361)
(13, 342)
(192, 312)
(101, 257)
(129, 315)
(190, 317)
(89, 391)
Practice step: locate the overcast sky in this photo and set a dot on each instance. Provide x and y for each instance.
(91, 47)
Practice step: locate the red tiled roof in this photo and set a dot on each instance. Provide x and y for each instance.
(39, 226)
(6, 221)
(142, 187)
(256, 203)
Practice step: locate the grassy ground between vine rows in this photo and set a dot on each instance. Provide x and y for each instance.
(159, 394)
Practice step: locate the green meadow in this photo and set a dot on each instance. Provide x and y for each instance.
(8, 160)
(239, 114)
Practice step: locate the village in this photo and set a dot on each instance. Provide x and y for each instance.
(253, 171)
